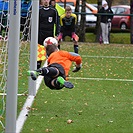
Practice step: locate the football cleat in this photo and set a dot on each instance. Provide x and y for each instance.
(65, 83)
(33, 74)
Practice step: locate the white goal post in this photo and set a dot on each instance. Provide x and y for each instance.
(13, 59)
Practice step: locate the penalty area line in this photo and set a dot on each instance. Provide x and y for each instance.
(26, 108)
(101, 79)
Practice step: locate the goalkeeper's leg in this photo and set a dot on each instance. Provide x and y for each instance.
(58, 82)
(33, 74)
(65, 83)
(49, 71)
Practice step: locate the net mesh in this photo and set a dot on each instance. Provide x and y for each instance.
(24, 39)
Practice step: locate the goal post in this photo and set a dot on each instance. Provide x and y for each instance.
(13, 60)
(21, 31)
(33, 44)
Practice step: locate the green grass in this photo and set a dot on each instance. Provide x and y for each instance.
(116, 38)
(95, 106)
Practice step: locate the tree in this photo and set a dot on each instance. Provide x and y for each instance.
(77, 6)
(98, 27)
(81, 24)
(131, 12)
(109, 2)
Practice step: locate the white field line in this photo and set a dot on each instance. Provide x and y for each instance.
(101, 79)
(27, 106)
(4, 94)
(113, 57)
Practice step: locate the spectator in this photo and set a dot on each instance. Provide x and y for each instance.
(53, 3)
(59, 63)
(48, 17)
(60, 9)
(105, 21)
(68, 23)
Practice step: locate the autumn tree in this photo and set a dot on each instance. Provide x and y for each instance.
(98, 27)
(81, 24)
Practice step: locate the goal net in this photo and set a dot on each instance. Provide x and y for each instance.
(25, 27)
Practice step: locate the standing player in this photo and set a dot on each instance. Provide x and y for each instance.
(68, 23)
(59, 63)
(48, 17)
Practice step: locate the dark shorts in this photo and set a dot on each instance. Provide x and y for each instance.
(48, 79)
(66, 33)
(43, 35)
(69, 33)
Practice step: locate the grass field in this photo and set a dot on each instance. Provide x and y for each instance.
(100, 102)
(115, 38)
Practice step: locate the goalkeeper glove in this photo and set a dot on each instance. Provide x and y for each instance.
(77, 68)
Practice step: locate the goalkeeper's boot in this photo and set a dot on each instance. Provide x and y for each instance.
(33, 74)
(65, 83)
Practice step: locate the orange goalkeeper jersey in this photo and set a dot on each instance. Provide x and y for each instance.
(65, 59)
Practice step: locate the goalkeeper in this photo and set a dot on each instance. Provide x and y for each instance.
(68, 27)
(59, 63)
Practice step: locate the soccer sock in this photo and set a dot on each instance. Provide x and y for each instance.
(49, 71)
(76, 49)
(39, 64)
(57, 84)
(59, 46)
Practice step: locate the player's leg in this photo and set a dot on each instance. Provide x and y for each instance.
(60, 79)
(41, 38)
(75, 41)
(57, 83)
(33, 74)
(59, 39)
(76, 47)
(49, 71)
(64, 83)
(59, 42)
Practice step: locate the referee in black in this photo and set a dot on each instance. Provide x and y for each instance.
(48, 23)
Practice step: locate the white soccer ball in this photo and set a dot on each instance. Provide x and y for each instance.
(49, 41)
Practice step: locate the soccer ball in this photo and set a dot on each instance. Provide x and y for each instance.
(50, 41)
